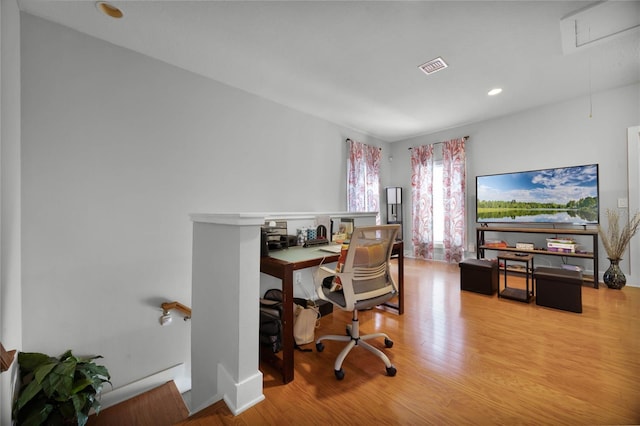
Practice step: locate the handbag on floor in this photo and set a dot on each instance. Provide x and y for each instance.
(305, 321)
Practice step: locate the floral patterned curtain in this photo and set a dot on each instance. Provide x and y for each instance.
(422, 200)
(454, 176)
(363, 178)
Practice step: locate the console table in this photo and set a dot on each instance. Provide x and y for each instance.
(281, 264)
(592, 233)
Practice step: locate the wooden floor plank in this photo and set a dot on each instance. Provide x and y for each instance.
(158, 407)
(466, 358)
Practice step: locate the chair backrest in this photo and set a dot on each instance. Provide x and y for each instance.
(365, 275)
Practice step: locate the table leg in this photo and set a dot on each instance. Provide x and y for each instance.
(287, 325)
(505, 275)
(398, 253)
(401, 282)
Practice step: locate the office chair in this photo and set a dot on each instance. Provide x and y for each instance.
(366, 282)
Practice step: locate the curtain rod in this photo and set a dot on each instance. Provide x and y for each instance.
(438, 143)
(349, 140)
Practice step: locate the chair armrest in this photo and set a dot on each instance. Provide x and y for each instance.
(318, 277)
(329, 271)
(322, 273)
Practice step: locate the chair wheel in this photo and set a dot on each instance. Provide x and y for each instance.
(319, 346)
(340, 373)
(391, 371)
(388, 343)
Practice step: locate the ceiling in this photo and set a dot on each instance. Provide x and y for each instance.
(355, 63)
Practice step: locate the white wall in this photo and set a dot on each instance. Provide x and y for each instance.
(551, 136)
(118, 149)
(633, 150)
(10, 287)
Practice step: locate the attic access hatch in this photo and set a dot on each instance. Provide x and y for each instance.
(601, 22)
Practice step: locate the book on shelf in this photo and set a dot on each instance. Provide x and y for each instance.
(561, 250)
(495, 243)
(560, 245)
(560, 241)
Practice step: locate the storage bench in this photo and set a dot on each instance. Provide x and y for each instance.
(479, 276)
(558, 288)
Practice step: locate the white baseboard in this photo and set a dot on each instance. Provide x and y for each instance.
(240, 396)
(209, 402)
(177, 373)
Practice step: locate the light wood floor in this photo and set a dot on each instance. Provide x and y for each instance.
(466, 358)
(160, 406)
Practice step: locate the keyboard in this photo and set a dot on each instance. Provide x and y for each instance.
(333, 248)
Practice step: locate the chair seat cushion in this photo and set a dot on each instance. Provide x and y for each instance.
(337, 298)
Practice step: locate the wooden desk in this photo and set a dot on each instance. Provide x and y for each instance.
(281, 265)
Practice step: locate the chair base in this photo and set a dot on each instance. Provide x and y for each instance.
(354, 339)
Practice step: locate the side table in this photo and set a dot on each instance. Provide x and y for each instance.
(521, 295)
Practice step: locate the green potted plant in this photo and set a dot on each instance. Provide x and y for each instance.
(58, 391)
(615, 241)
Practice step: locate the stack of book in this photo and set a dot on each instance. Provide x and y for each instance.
(561, 245)
(495, 244)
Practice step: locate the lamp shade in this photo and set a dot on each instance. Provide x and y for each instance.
(394, 195)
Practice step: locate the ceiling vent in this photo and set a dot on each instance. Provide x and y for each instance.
(604, 21)
(433, 65)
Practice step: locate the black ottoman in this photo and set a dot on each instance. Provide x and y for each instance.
(479, 276)
(559, 289)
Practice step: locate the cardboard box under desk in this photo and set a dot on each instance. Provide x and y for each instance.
(325, 307)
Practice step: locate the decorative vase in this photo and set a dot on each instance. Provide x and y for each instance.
(614, 277)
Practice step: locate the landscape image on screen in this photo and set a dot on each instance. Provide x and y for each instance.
(560, 195)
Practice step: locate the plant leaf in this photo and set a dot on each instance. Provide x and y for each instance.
(36, 415)
(88, 359)
(96, 405)
(78, 385)
(66, 355)
(28, 393)
(82, 419)
(29, 361)
(60, 380)
(98, 374)
(44, 369)
(79, 402)
(67, 410)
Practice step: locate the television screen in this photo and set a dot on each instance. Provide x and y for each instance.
(566, 195)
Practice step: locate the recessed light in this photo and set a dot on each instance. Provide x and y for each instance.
(494, 92)
(109, 10)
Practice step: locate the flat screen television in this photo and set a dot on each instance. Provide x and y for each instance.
(564, 195)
